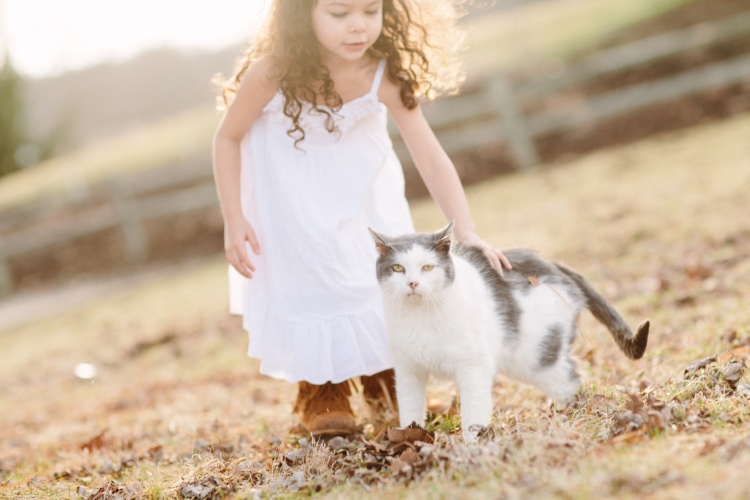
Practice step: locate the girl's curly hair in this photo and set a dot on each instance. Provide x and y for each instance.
(423, 61)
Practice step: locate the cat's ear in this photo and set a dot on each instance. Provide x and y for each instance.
(443, 238)
(380, 242)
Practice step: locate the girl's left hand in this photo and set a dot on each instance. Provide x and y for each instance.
(494, 255)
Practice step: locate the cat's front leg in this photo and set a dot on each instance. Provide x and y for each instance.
(411, 393)
(475, 393)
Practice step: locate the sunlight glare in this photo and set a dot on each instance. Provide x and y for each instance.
(45, 37)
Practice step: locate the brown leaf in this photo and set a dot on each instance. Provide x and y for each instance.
(409, 456)
(113, 489)
(96, 442)
(634, 403)
(375, 448)
(733, 372)
(696, 270)
(156, 453)
(629, 437)
(410, 434)
(401, 467)
(699, 364)
(739, 353)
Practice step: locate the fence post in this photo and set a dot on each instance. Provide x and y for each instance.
(6, 277)
(521, 142)
(136, 241)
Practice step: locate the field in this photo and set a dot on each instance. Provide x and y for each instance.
(176, 409)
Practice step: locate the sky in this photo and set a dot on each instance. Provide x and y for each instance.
(48, 37)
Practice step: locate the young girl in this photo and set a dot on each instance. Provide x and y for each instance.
(304, 164)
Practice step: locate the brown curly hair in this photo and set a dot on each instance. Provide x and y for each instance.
(413, 60)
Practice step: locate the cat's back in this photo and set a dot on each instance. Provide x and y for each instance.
(527, 267)
(533, 285)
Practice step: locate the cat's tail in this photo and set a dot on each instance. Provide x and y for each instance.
(632, 345)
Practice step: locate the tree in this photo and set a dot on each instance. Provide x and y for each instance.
(12, 130)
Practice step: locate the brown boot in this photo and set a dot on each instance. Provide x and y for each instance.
(379, 392)
(324, 409)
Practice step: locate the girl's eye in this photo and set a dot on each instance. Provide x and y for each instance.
(397, 268)
(427, 267)
(373, 12)
(338, 15)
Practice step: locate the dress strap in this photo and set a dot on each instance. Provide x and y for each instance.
(378, 77)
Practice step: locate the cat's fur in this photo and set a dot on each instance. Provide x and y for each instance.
(450, 314)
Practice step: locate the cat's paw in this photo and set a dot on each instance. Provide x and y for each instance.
(564, 405)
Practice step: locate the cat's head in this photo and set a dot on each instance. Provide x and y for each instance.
(414, 266)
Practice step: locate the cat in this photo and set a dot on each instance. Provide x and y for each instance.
(449, 313)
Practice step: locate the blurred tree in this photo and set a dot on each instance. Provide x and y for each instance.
(12, 133)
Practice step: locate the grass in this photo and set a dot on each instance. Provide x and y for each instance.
(544, 30)
(75, 174)
(496, 42)
(659, 226)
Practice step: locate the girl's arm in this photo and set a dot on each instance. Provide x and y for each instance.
(437, 171)
(254, 92)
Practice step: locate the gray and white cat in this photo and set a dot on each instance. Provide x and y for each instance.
(450, 314)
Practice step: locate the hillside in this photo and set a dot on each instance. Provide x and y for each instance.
(108, 99)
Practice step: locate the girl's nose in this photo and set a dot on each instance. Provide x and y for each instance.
(358, 25)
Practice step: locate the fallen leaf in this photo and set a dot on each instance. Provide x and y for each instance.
(628, 436)
(733, 372)
(409, 456)
(401, 467)
(96, 442)
(410, 434)
(739, 352)
(694, 367)
(634, 403)
(696, 270)
(113, 489)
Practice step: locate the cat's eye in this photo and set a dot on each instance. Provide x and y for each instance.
(427, 267)
(397, 268)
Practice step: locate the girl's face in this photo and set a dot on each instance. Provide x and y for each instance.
(345, 29)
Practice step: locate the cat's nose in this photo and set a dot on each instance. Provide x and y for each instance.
(413, 284)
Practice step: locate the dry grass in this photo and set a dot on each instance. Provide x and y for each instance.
(177, 409)
(75, 174)
(534, 33)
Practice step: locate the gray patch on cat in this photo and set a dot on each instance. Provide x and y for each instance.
(502, 289)
(551, 346)
(525, 264)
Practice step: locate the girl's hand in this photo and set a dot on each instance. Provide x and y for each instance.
(495, 256)
(236, 237)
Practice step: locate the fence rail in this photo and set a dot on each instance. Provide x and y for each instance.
(491, 113)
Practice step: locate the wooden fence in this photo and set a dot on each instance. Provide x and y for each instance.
(492, 113)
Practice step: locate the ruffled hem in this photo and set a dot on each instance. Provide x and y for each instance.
(345, 118)
(332, 349)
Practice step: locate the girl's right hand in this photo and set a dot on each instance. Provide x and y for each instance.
(236, 237)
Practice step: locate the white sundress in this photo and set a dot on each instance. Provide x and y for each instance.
(313, 308)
